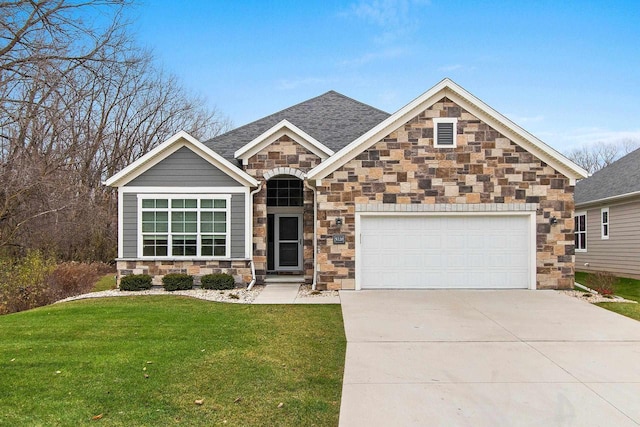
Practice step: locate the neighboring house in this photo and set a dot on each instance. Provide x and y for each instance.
(607, 219)
(444, 193)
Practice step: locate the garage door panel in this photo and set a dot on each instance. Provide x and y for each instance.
(445, 251)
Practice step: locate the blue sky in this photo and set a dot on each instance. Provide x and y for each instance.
(567, 71)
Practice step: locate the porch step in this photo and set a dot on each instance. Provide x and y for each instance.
(291, 280)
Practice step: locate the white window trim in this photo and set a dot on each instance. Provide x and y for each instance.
(436, 122)
(198, 234)
(603, 235)
(585, 231)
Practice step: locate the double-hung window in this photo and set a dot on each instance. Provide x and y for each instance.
(580, 231)
(604, 223)
(184, 226)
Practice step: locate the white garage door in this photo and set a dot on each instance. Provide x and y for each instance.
(473, 251)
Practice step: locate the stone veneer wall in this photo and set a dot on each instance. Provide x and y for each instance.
(284, 152)
(484, 168)
(239, 269)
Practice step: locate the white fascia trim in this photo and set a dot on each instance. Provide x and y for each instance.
(607, 199)
(533, 254)
(120, 223)
(508, 128)
(276, 132)
(456, 93)
(170, 146)
(186, 190)
(374, 135)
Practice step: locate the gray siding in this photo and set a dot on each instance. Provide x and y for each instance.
(130, 225)
(237, 226)
(184, 168)
(620, 254)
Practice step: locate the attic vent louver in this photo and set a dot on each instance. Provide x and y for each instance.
(444, 132)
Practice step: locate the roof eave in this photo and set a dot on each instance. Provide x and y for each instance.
(610, 199)
(283, 127)
(168, 147)
(450, 89)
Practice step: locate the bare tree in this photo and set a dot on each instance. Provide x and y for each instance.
(596, 156)
(78, 102)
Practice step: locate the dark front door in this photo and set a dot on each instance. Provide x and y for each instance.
(288, 242)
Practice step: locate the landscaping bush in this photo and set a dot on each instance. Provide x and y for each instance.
(70, 279)
(602, 282)
(218, 281)
(177, 282)
(23, 282)
(135, 282)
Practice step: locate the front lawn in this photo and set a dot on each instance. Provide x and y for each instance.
(105, 283)
(626, 288)
(146, 360)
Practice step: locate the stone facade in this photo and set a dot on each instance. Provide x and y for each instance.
(484, 168)
(278, 156)
(239, 269)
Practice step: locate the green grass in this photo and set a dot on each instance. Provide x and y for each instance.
(106, 282)
(61, 365)
(626, 288)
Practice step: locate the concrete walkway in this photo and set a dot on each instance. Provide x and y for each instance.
(287, 293)
(487, 358)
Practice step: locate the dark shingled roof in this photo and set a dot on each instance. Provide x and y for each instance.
(620, 177)
(332, 119)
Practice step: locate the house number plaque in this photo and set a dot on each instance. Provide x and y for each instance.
(339, 239)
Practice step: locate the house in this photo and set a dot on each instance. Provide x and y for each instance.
(444, 193)
(607, 219)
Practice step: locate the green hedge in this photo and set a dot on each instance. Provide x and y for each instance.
(177, 282)
(135, 282)
(218, 281)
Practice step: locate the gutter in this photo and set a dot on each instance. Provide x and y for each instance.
(253, 267)
(607, 199)
(315, 234)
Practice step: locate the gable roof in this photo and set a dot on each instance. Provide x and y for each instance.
(621, 178)
(449, 89)
(279, 130)
(170, 146)
(332, 119)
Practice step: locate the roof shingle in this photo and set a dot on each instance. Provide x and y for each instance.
(331, 118)
(620, 177)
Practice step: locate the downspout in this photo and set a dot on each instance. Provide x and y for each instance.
(253, 267)
(315, 238)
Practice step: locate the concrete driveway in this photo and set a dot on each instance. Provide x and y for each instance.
(487, 358)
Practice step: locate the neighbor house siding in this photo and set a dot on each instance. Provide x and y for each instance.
(130, 225)
(184, 168)
(620, 253)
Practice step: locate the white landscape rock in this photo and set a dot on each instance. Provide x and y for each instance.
(242, 296)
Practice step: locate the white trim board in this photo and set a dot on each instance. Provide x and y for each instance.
(170, 146)
(275, 133)
(448, 88)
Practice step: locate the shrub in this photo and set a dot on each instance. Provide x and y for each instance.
(71, 278)
(135, 282)
(218, 281)
(177, 282)
(602, 282)
(23, 282)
